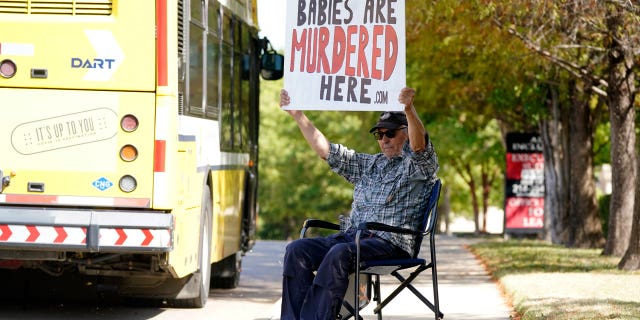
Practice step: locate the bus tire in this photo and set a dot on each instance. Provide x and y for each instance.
(197, 287)
(226, 273)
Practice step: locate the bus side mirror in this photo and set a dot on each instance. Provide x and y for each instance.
(272, 66)
(271, 62)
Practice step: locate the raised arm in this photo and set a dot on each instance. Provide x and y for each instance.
(416, 129)
(314, 137)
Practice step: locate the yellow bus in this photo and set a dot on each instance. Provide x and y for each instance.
(129, 141)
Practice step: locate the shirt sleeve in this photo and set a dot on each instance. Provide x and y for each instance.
(346, 162)
(426, 160)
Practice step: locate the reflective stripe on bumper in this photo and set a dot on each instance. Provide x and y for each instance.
(85, 230)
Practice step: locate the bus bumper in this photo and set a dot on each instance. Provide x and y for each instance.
(61, 229)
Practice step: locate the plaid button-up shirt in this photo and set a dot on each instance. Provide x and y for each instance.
(389, 191)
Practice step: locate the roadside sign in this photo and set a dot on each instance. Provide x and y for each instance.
(345, 55)
(524, 190)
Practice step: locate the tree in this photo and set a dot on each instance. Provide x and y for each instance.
(476, 156)
(631, 258)
(624, 62)
(580, 37)
(568, 135)
(457, 64)
(483, 74)
(621, 94)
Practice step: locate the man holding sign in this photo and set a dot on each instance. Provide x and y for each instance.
(345, 55)
(389, 187)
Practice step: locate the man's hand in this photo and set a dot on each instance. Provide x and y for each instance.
(406, 97)
(285, 100)
(416, 129)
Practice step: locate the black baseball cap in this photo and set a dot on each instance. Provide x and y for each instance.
(391, 120)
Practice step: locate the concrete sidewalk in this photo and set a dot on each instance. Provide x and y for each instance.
(466, 291)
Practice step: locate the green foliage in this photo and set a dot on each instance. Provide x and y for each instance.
(468, 75)
(480, 148)
(463, 66)
(602, 143)
(603, 211)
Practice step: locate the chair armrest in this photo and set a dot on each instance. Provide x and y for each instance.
(317, 223)
(384, 227)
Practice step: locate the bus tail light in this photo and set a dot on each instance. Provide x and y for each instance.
(128, 153)
(7, 68)
(128, 183)
(129, 123)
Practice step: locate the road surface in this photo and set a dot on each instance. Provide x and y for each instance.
(466, 292)
(255, 297)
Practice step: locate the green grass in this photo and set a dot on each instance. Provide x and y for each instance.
(552, 282)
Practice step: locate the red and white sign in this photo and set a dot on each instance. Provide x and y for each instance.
(345, 55)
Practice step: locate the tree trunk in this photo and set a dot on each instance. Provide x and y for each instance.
(626, 79)
(486, 189)
(291, 228)
(553, 133)
(444, 209)
(474, 198)
(570, 199)
(631, 259)
(621, 92)
(584, 229)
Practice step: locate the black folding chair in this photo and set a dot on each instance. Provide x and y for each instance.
(371, 270)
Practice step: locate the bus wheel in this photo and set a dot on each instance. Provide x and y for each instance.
(226, 273)
(197, 287)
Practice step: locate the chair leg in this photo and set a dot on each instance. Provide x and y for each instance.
(376, 293)
(356, 301)
(434, 278)
(404, 284)
(349, 308)
(416, 292)
(436, 302)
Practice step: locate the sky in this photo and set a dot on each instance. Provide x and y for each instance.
(271, 18)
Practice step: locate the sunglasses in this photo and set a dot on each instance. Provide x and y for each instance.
(389, 133)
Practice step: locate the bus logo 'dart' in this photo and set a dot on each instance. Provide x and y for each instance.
(108, 56)
(92, 63)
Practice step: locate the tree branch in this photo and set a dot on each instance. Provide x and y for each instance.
(627, 5)
(573, 69)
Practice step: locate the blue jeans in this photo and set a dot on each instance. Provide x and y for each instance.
(305, 296)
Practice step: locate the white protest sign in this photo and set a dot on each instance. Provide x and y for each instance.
(345, 54)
